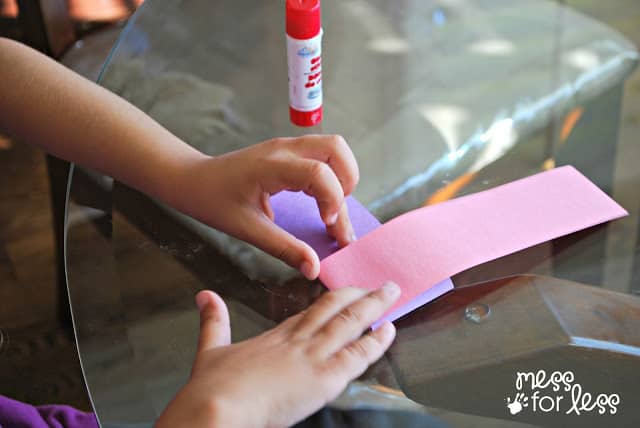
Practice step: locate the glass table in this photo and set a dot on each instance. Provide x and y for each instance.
(437, 99)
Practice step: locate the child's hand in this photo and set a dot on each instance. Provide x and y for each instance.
(101, 131)
(231, 192)
(285, 374)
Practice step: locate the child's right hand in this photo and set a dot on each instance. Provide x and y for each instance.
(285, 374)
(231, 192)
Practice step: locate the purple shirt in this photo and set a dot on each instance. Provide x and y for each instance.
(14, 414)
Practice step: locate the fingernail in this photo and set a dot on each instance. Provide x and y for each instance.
(332, 219)
(201, 301)
(307, 269)
(388, 328)
(353, 237)
(391, 289)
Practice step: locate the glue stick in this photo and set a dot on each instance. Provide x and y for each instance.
(304, 49)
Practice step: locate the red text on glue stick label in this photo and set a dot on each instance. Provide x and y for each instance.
(305, 73)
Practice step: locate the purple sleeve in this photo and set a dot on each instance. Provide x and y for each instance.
(14, 414)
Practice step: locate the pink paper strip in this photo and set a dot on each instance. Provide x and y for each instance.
(424, 247)
(298, 214)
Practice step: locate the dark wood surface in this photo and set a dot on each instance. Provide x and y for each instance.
(38, 358)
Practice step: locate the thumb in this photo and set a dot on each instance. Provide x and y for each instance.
(215, 330)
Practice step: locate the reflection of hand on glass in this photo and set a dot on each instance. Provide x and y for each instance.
(285, 374)
(45, 104)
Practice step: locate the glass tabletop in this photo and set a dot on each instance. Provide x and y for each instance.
(437, 99)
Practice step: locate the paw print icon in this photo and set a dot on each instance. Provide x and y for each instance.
(519, 402)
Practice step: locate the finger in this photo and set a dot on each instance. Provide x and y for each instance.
(269, 237)
(352, 360)
(325, 308)
(215, 330)
(342, 231)
(334, 151)
(266, 206)
(352, 320)
(315, 178)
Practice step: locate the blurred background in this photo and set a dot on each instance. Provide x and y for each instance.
(38, 358)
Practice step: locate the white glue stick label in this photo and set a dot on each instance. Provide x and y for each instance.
(305, 73)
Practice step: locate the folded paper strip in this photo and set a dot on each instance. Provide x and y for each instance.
(422, 249)
(298, 214)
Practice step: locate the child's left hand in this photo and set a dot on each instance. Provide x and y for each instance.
(231, 192)
(285, 374)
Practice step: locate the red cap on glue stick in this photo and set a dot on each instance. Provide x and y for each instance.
(304, 31)
(303, 18)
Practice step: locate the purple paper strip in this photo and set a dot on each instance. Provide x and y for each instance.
(298, 214)
(421, 299)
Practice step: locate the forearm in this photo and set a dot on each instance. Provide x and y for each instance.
(44, 104)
